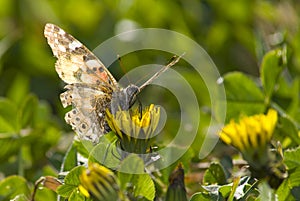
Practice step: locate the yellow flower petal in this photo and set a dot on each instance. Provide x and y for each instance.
(251, 132)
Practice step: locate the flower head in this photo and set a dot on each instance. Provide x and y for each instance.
(251, 136)
(134, 128)
(99, 182)
(251, 132)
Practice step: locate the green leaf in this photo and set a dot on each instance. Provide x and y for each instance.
(43, 113)
(226, 190)
(71, 182)
(214, 174)
(20, 197)
(73, 177)
(271, 67)
(6, 126)
(132, 173)
(144, 186)
(43, 193)
(84, 147)
(294, 178)
(284, 191)
(106, 153)
(66, 190)
(266, 192)
(288, 129)
(243, 96)
(130, 166)
(289, 189)
(238, 190)
(8, 116)
(296, 192)
(76, 195)
(205, 197)
(27, 111)
(10, 145)
(19, 88)
(295, 103)
(70, 159)
(291, 158)
(13, 186)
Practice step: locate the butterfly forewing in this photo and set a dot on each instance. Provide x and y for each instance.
(75, 63)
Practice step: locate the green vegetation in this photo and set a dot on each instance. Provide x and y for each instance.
(255, 46)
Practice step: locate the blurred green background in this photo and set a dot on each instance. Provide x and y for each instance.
(236, 35)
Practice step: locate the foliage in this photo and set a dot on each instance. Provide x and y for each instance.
(255, 45)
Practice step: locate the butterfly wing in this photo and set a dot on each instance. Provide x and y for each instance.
(75, 63)
(86, 119)
(89, 83)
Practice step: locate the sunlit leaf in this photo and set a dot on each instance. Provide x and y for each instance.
(10, 145)
(13, 186)
(70, 159)
(243, 96)
(271, 67)
(27, 111)
(205, 197)
(6, 126)
(289, 189)
(71, 182)
(284, 191)
(19, 89)
(214, 174)
(83, 147)
(130, 165)
(294, 178)
(287, 128)
(106, 153)
(131, 173)
(144, 186)
(76, 195)
(8, 114)
(291, 158)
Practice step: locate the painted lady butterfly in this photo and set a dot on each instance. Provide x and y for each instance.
(91, 88)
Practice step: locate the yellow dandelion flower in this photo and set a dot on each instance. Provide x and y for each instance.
(252, 136)
(99, 182)
(134, 128)
(251, 132)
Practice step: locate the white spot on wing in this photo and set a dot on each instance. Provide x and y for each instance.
(61, 32)
(92, 63)
(74, 44)
(62, 48)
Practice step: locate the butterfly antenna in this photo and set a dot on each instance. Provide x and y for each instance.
(171, 63)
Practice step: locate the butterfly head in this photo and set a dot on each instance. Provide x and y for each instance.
(123, 99)
(132, 91)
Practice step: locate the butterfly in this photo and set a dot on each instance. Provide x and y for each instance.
(91, 88)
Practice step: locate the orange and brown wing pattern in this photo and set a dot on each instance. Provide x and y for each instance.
(89, 83)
